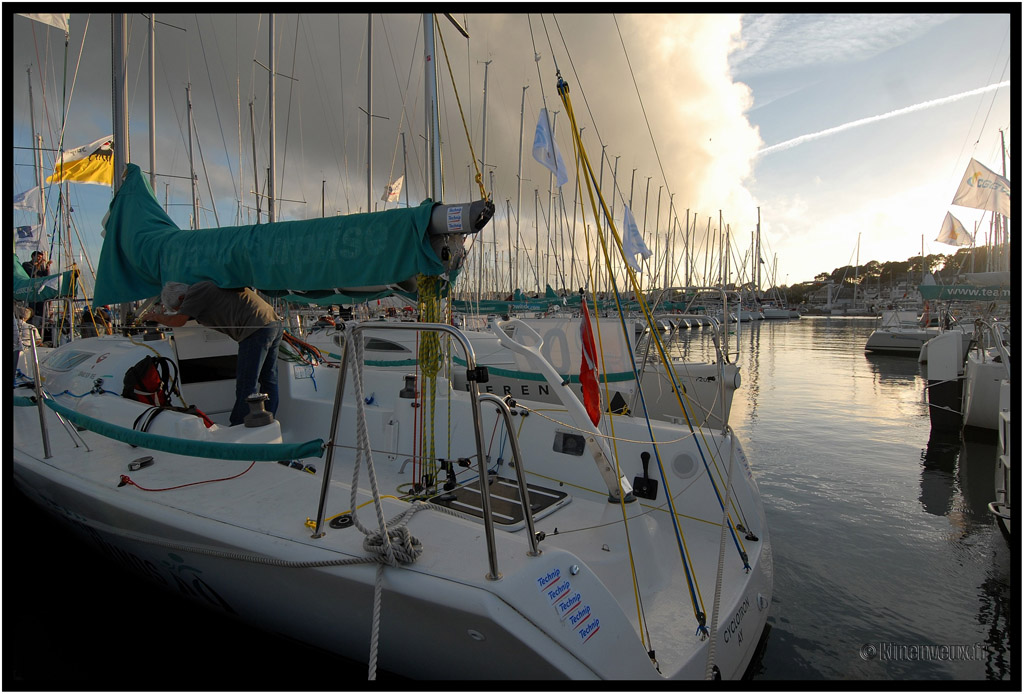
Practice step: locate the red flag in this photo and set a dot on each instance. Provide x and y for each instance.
(588, 368)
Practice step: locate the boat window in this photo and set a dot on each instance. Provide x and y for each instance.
(205, 369)
(376, 344)
(68, 360)
(570, 444)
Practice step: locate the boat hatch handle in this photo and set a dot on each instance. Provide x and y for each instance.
(524, 493)
(355, 332)
(594, 438)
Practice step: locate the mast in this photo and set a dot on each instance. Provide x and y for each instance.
(272, 175)
(653, 280)
(551, 177)
(519, 185)
(37, 155)
(1005, 264)
(152, 101)
(856, 271)
(757, 262)
(686, 250)
(483, 167)
(405, 171)
(119, 38)
(191, 162)
(657, 235)
(536, 234)
(119, 48)
(435, 185)
(369, 112)
(255, 167)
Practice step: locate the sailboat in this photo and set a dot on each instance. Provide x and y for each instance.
(430, 531)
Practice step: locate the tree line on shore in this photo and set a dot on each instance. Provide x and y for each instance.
(944, 267)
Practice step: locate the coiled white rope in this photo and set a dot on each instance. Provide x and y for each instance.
(379, 543)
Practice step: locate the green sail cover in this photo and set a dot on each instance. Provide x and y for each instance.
(41, 288)
(356, 255)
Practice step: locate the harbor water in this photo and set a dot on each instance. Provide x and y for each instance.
(888, 565)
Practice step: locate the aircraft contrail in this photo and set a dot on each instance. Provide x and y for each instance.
(874, 119)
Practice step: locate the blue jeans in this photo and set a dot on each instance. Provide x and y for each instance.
(257, 366)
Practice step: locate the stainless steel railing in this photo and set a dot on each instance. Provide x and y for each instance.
(355, 331)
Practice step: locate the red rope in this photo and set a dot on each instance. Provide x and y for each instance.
(125, 479)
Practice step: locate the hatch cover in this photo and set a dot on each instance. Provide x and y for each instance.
(506, 507)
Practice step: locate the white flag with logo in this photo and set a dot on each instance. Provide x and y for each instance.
(632, 242)
(27, 239)
(983, 189)
(28, 201)
(393, 189)
(545, 150)
(953, 232)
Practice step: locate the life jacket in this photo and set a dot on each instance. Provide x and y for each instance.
(150, 381)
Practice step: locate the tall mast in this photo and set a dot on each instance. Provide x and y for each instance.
(272, 175)
(119, 39)
(369, 112)
(757, 262)
(856, 270)
(191, 162)
(434, 182)
(152, 101)
(483, 168)
(37, 155)
(519, 185)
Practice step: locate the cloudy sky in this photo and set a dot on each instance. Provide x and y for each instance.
(832, 125)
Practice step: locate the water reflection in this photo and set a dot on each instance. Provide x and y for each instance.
(995, 608)
(938, 473)
(893, 368)
(957, 481)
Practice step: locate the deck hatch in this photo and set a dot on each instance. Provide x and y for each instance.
(506, 507)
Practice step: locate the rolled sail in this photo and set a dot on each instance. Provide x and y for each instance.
(356, 256)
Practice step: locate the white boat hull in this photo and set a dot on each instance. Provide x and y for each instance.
(237, 535)
(899, 341)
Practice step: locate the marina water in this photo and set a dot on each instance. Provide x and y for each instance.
(888, 565)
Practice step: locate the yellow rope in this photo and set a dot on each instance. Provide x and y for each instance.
(582, 156)
(429, 357)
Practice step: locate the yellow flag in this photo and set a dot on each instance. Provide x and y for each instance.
(91, 163)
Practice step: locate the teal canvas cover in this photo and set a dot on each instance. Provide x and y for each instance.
(971, 286)
(964, 292)
(31, 290)
(355, 255)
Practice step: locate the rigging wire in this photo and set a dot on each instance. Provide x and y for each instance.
(209, 76)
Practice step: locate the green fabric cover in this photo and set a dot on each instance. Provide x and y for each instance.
(354, 254)
(41, 288)
(964, 292)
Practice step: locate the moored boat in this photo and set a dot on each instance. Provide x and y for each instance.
(526, 541)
